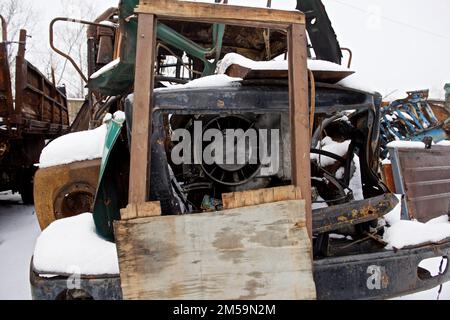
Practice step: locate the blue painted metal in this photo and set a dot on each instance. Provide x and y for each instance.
(410, 119)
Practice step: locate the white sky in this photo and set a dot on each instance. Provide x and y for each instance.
(397, 45)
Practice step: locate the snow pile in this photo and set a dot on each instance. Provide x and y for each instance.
(72, 147)
(219, 80)
(328, 144)
(406, 145)
(108, 23)
(110, 66)
(235, 58)
(319, 203)
(289, 5)
(355, 82)
(71, 245)
(444, 143)
(405, 233)
(322, 65)
(118, 116)
(356, 181)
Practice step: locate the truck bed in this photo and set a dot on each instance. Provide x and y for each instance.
(39, 106)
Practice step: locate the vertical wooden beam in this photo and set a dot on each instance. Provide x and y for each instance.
(142, 110)
(299, 114)
(21, 69)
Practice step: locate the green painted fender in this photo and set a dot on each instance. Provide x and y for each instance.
(113, 176)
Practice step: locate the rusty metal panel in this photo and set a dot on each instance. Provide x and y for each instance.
(423, 175)
(41, 100)
(349, 214)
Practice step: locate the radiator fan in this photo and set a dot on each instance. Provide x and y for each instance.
(237, 173)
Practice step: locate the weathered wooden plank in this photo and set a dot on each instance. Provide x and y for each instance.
(261, 196)
(204, 12)
(141, 210)
(299, 114)
(142, 109)
(260, 252)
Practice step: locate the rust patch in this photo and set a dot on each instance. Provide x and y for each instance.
(367, 211)
(300, 225)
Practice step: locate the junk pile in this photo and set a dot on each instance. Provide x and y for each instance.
(414, 119)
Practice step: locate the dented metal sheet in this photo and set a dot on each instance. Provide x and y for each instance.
(260, 252)
(424, 177)
(336, 217)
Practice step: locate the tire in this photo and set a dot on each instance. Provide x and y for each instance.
(26, 187)
(65, 190)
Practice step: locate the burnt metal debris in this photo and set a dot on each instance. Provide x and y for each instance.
(412, 119)
(339, 114)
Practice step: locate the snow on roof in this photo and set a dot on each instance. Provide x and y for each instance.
(289, 5)
(406, 145)
(110, 66)
(72, 147)
(235, 58)
(354, 82)
(71, 245)
(218, 80)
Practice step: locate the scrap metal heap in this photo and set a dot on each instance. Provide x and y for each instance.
(342, 117)
(414, 119)
(349, 198)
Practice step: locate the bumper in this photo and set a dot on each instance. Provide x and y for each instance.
(380, 275)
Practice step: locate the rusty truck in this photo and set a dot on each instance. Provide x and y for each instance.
(31, 113)
(342, 211)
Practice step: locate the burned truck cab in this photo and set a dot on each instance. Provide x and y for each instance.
(348, 196)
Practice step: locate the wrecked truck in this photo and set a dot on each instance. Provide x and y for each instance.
(31, 113)
(349, 198)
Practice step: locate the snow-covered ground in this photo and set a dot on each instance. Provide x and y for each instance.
(19, 230)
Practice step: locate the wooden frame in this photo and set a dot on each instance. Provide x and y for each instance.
(291, 21)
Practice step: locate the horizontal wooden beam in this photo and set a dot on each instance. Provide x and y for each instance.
(206, 12)
(262, 196)
(141, 210)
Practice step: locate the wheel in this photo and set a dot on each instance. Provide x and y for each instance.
(26, 187)
(64, 191)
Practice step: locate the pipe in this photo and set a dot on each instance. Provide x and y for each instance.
(350, 53)
(69, 58)
(312, 112)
